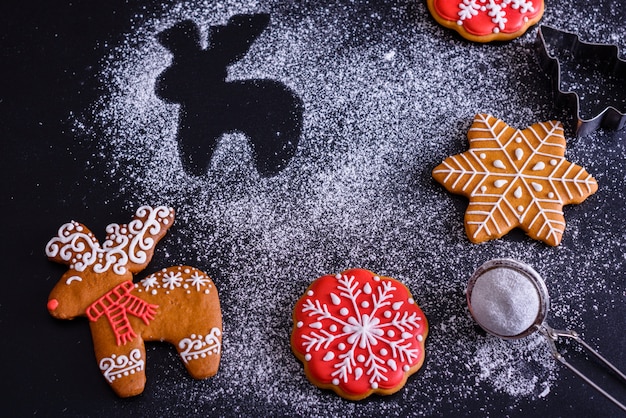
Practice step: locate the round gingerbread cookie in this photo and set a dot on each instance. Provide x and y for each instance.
(487, 20)
(358, 333)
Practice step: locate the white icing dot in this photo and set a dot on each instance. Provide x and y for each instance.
(154, 292)
(384, 352)
(498, 164)
(538, 187)
(343, 311)
(333, 328)
(539, 166)
(420, 338)
(482, 155)
(300, 324)
(411, 301)
(376, 278)
(518, 140)
(307, 357)
(551, 195)
(391, 333)
(365, 304)
(483, 189)
(341, 346)
(338, 276)
(553, 162)
(374, 385)
(520, 208)
(387, 314)
(310, 293)
(367, 289)
(360, 358)
(406, 368)
(335, 381)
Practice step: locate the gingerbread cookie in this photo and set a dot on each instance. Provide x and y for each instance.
(178, 304)
(358, 333)
(487, 20)
(515, 178)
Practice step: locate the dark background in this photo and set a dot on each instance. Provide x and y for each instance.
(49, 55)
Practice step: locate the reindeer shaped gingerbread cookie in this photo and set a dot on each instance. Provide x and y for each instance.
(178, 304)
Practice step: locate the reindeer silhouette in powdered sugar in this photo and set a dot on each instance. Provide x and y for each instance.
(266, 111)
(178, 304)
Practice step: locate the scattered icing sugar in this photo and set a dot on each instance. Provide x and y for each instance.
(505, 302)
(358, 193)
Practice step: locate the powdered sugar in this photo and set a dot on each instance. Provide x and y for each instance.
(358, 193)
(505, 302)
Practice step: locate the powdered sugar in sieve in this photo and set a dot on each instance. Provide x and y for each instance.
(509, 299)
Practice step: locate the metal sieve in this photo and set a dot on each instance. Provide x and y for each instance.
(510, 300)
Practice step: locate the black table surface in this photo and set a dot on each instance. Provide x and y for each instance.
(53, 54)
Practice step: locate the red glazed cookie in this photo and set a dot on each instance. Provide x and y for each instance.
(178, 304)
(515, 178)
(487, 20)
(358, 333)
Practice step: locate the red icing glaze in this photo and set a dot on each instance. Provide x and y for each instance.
(485, 17)
(52, 304)
(359, 332)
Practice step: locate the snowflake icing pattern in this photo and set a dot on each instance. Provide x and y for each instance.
(515, 178)
(149, 282)
(172, 280)
(357, 333)
(198, 280)
(482, 17)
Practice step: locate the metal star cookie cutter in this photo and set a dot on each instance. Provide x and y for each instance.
(605, 59)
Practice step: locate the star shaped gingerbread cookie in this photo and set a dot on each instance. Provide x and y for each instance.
(515, 178)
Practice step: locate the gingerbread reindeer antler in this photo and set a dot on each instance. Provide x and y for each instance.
(127, 247)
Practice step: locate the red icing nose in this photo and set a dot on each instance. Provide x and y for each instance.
(52, 304)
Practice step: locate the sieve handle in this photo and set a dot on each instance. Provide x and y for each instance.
(552, 335)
